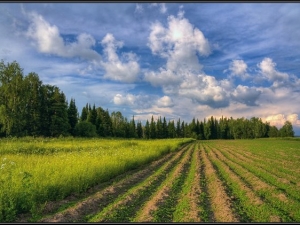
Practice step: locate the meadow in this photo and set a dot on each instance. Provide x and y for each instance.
(171, 180)
(34, 171)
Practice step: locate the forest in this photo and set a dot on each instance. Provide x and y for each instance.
(30, 108)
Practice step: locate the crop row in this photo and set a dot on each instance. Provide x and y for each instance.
(28, 181)
(271, 200)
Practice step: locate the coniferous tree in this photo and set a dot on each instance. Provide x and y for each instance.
(152, 129)
(139, 130)
(171, 129)
(207, 129)
(72, 116)
(159, 128)
(84, 114)
(178, 129)
(132, 128)
(164, 129)
(182, 129)
(147, 130)
(92, 115)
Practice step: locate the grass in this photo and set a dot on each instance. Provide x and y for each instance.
(34, 171)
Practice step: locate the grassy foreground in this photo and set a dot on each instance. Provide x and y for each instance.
(35, 171)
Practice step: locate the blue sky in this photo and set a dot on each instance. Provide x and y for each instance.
(178, 60)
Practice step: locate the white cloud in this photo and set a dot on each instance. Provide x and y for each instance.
(239, 69)
(165, 101)
(48, 40)
(124, 100)
(179, 43)
(179, 39)
(267, 67)
(123, 69)
(279, 119)
(162, 78)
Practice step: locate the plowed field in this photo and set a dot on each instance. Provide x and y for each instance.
(205, 181)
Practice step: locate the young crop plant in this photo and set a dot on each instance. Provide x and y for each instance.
(70, 165)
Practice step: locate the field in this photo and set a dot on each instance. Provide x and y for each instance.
(201, 181)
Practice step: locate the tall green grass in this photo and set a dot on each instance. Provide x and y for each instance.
(34, 171)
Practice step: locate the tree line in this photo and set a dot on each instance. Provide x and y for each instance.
(30, 108)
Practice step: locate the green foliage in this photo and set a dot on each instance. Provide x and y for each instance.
(287, 130)
(72, 116)
(28, 107)
(59, 167)
(85, 129)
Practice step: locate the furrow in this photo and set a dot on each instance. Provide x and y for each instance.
(188, 208)
(104, 194)
(124, 207)
(247, 203)
(270, 194)
(220, 202)
(151, 210)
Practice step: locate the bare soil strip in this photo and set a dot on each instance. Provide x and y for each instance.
(145, 214)
(220, 201)
(194, 201)
(262, 160)
(126, 206)
(275, 176)
(104, 195)
(253, 198)
(257, 185)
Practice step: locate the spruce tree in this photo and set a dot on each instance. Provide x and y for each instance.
(72, 116)
(147, 130)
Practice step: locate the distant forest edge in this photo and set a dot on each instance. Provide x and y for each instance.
(30, 108)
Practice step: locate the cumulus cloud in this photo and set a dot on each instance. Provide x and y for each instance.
(124, 100)
(279, 119)
(246, 95)
(238, 68)
(179, 43)
(176, 38)
(48, 40)
(165, 101)
(267, 67)
(123, 69)
(279, 79)
(205, 89)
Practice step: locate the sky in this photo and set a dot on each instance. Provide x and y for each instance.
(174, 60)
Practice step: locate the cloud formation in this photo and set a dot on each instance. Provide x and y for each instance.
(246, 95)
(123, 69)
(238, 68)
(165, 101)
(49, 40)
(179, 43)
(278, 120)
